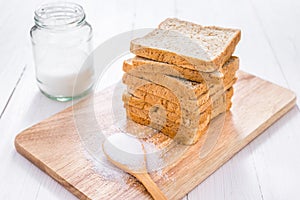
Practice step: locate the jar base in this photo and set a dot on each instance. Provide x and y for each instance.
(66, 99)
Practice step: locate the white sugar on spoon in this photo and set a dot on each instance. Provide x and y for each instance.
(127, 153)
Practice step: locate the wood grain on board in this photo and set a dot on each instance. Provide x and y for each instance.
(54, 145)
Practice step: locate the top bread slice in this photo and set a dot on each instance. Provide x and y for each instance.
(189, 45)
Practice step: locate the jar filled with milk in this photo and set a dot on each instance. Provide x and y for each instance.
(61, 40)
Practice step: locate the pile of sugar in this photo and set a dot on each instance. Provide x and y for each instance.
(131, 151)
(126, 150)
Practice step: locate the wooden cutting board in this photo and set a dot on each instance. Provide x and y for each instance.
(54, 146)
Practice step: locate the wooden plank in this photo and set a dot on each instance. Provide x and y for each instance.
(237, 179)
(254, 51)
(67, 163)
(278, 20)
(20, 99)
(16, 55)
(272, 153)
(27, 105)
(12, 66)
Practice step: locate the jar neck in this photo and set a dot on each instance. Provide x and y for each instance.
(59, 16)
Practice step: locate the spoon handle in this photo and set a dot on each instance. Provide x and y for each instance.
(150, 185)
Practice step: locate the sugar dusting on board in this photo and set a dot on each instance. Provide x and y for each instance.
(136, 150)
(100, 164)
(130, 138)
(107, 170)
(111, 173)
(129, 131)
(156, 157)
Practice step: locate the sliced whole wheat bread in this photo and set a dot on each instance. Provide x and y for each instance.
(159, 116)
(144, 65)
(219, 104)
(185, 44)
(142, 102)
(157, 93)
(182, 88)
(148, 87)
(186, 136)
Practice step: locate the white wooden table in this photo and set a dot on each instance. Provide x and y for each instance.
(267, 169)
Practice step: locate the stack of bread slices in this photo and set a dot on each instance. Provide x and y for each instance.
(181, 78)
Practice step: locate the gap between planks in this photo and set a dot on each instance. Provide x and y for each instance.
(13, 91)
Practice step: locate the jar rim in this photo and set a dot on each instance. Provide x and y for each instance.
(59, 15)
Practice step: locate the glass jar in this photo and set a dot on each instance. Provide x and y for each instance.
(61, 40)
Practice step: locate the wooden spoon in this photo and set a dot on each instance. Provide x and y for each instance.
(128, 154)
